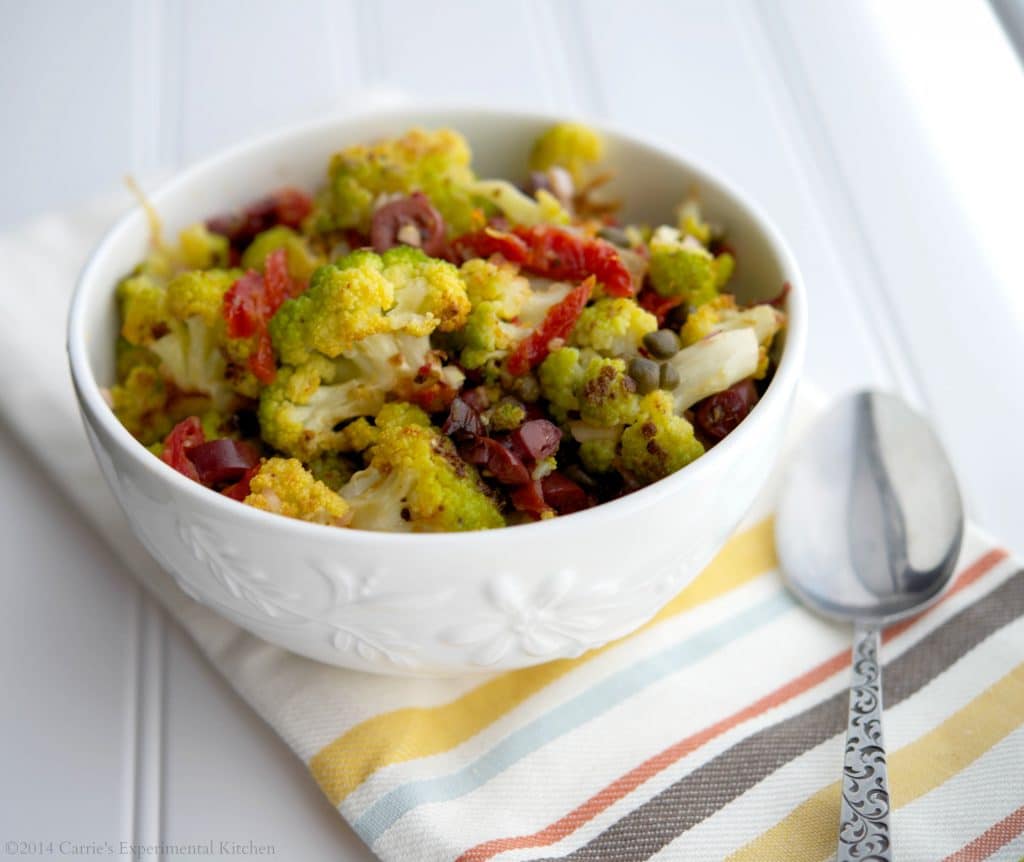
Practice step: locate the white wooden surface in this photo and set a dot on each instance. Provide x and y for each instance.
(885, 138)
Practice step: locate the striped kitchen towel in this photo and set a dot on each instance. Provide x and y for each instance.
(714, 732)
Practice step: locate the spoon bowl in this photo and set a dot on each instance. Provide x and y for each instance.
(870, 523)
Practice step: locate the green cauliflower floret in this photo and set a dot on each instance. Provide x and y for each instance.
(560, 376)
(613, 327)
(142, 301)
(200, 248)
(332, 468)
(302, 413)
(607, 394)
(498, 295)
(398, 413)
(365, 294)
(498, 283)
(572, 146)
(598, 455)
(506, 415)
(429, 293)
(416, 482)
(140, 404)
(285, 487)
(200, 294)
(681, 266)
(302, 261)
(434, 162)
(597, 387)
(193, 351)
(659, 442)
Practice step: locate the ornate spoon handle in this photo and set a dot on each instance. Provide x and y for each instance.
(864, 832)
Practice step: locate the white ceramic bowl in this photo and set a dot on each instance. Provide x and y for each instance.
(438, 603)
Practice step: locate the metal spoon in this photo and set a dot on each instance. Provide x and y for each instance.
(868, 530)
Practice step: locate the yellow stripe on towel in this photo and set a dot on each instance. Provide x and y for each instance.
(809, 831)
(414, 732)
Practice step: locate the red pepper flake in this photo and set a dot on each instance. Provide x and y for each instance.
(557, 323)
(186, 435)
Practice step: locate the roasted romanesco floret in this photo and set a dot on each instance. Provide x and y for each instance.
(613, 327)
(364, 294)
(416, 482)
(572, 146)
(436, 163)
(285, 487)
(681, 266)
(659, 442)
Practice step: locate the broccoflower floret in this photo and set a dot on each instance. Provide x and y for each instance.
(366, 294)
(659, 442)
(416, 482)
(285, 487)
(434, 162)
(681, 266)
(302, 413)
(613, 327)
(572, 146)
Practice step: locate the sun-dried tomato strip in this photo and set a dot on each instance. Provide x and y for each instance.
(557, 323)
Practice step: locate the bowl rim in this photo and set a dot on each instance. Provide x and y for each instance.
(91, 400)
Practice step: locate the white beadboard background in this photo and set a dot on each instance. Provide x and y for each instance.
(886, 138)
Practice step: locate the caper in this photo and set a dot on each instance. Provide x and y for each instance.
(663, 343)
(669, 377)
(645, 373)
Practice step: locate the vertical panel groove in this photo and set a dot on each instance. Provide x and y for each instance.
(835, 198)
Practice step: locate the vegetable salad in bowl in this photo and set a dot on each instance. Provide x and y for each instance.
(414, 348)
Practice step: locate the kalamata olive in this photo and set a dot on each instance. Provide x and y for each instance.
(645, 372)
(477, 398)
(677, 317)
(563, 495)
(240, 489)
(668, 377)
(535, 440)
(463, 421)
(663, 344)
(286, 206)
(410, 220)
(221, 461)
(529, 498)
(720, 413)
(504, 464)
